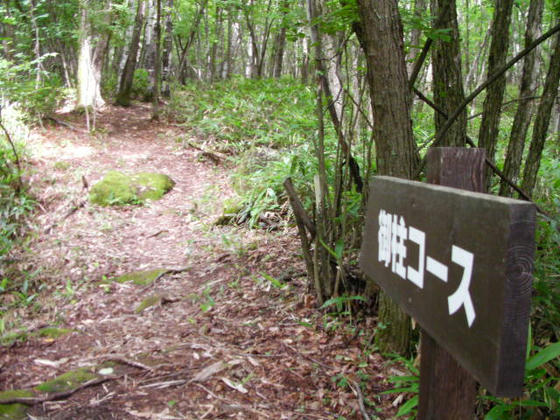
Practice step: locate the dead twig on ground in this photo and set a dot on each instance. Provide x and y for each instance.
(358, 392)
(67, 125)
(232, 403)
(119, 358)
(69, 213)
(159, 232)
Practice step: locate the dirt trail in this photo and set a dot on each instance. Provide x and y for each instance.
(222, 342)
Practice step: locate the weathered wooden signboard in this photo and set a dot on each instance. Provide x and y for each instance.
(460, 263)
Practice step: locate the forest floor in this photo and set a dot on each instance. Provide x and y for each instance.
(221, 341)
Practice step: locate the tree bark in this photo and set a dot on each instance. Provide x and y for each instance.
(190, 40)
(490, 125)
(280, 41)
(514, 155)
(228, 59)
(167, 51)
(125, 89)
(379, 31)
(447, 74)
(90, 64)
(415, 34)
(157, 70)
(542, 121)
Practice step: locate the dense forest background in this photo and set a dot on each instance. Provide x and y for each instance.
(307, 99)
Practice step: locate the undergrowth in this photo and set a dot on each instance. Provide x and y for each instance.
(14, 202)
(264, 129)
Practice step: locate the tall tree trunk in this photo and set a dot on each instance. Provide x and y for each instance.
(542, 121)
(228, 59)
(514, 155)
(191, 38)
(323, 274)
(415, 34)
(8, 34)
(280, 41)
(125, 89)
(380, 34)
(167, 51)
(447, 74)
(157, 70)
(304, 60)
(218, 29)
(490, 125)
(36, 44)
(147, 46)
(90, 64)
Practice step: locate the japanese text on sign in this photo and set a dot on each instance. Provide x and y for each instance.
(392, 239)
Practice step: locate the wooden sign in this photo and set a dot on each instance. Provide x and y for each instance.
(460, 263)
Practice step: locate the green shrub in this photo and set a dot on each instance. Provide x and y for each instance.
(141, 85)
(18, 84)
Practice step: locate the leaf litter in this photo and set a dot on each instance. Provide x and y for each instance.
(228, 343)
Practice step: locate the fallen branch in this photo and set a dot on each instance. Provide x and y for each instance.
(67, 125)
(214, 156)
(233, 404)
(358, 392)
(153, 235)
(58, 395)
(125, 361)
(69, 213)
(211, 156)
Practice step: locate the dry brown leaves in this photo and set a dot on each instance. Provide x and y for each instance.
(224, 343)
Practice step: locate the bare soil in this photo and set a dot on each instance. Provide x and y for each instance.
(223, 341)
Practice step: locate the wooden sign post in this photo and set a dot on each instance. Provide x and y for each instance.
(460, 263)
(440, 374)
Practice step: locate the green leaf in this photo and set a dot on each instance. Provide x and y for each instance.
(400, 390)
(499, 412)
(544, 356)
(408, 406)
(339, 249)
(341, 299)
(328, 248)
(529, 343)
(276, 283)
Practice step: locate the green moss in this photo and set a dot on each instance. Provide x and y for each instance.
(151, 185)
(117, 188)
(148, 302)
(114, 189)
(52, 332)
(10, 338)
(14, 411)
(141, 278)
(61, 165)
(67, 381)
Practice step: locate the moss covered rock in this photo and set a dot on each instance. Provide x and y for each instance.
(117, 188)
(14, 411)
(141, 278)
(52, 332)
(150, 301)
(67, 381)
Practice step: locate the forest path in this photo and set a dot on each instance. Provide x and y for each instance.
(222, 340)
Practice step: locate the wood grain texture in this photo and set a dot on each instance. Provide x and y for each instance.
(440, 374)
